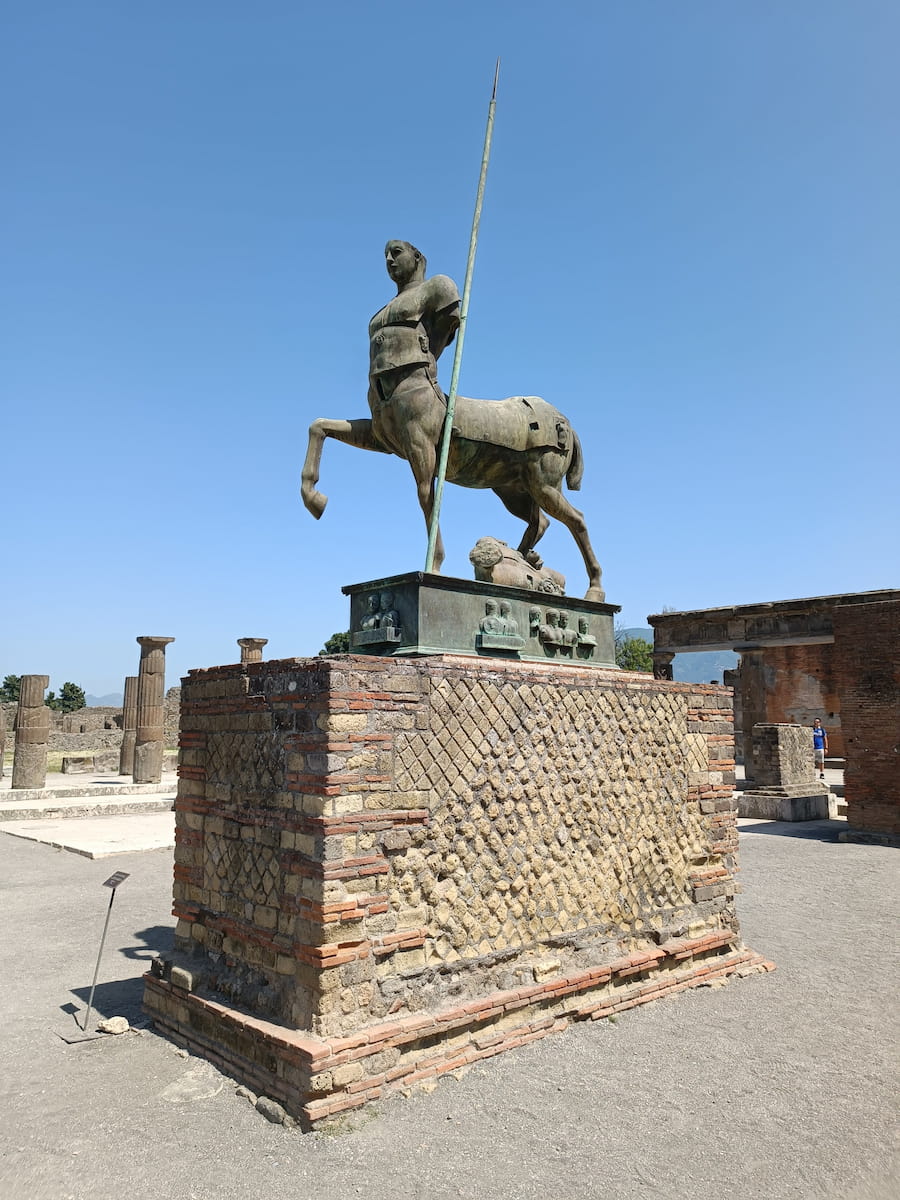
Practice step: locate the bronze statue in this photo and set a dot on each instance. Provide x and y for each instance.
(522, 448)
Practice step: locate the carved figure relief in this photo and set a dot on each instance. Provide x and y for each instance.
(586, 643)
(381, 622)
(534, 622)
(557, 639)
(510, 625)
(569, 636)
(497, 630)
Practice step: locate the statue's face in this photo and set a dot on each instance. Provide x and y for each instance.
(563, 620)
(401, 262)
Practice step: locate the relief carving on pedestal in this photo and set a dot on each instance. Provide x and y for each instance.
(557, 638)
(498, 629)
(381, 623)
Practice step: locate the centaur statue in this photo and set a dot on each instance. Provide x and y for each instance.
(522, 448)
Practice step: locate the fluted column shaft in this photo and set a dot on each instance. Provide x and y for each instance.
(129, 725)
(32, 733)
(148, 741)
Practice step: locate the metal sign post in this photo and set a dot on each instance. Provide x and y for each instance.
(112, 883)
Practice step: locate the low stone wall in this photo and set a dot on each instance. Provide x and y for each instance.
(100, 728)
(386, 869)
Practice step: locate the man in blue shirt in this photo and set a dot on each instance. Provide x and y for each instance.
(820, 746)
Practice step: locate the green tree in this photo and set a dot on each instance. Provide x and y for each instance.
(633, 653)
(70, 698)
(10, 688)
(338, 643)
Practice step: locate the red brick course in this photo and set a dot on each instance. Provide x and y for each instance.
(262, 1053)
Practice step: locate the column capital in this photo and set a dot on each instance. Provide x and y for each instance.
(150, 642)
(251, 648)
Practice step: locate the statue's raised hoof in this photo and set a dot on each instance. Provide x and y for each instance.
(596, 594)
(315, 502)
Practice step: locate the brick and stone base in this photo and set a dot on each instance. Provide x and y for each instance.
(387, 870)
(785, 786)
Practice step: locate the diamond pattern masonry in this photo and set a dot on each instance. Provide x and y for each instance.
(387, 867)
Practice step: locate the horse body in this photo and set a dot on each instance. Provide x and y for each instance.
(521, 448)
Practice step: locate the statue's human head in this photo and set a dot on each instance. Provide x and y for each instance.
(552, 617)
(490, 608)
(372, 602)
(563, 620)
(387, 601)
(404, 262)
(505, 608)
(582, 624)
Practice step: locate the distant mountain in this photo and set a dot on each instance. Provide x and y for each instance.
(694, 668)
(113, 700)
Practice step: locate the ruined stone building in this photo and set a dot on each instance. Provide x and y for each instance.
(832, 657)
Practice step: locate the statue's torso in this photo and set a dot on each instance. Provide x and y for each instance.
(402, 333)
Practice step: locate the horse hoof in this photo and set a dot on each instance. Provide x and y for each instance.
(596, 594)
(315, 503)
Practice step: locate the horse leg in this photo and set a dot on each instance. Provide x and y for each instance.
(553, 502)
(422, 457)
(521, 505)
(352, 433)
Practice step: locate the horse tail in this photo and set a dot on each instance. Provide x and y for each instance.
(575, 472)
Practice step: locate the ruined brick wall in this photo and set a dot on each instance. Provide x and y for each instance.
(867, 655)
(359, 838)
(793, 685)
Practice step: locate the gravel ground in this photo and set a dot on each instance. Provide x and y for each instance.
(781, 1085)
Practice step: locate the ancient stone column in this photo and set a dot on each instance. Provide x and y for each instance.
(129, 725)
(251, 649)
(148, 741)
(662, 664)
(753, 699)
(32, 733)
(2, 737)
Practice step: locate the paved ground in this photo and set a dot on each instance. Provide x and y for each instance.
(782, 1086)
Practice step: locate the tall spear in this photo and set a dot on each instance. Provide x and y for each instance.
(461, 334)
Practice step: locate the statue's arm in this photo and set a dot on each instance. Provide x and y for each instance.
(443, 319)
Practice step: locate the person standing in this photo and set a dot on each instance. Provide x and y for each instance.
(820, 746)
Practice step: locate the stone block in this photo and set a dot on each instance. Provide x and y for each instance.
(777, 805)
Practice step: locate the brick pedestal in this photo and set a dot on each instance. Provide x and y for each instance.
(387, 869)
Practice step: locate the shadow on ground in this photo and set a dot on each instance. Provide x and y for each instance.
(814, 831)
(121, 998)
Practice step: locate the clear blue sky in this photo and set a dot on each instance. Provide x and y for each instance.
(690, 245)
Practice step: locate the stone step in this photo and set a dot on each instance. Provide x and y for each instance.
(50, 804)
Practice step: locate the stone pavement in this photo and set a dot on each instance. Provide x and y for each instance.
(99, 836)
(782, 1085)
(113, 816)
